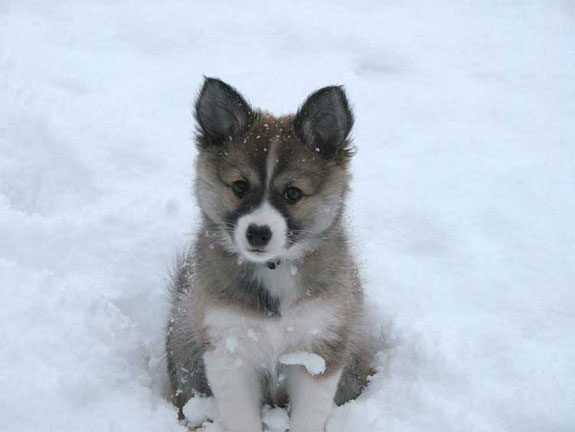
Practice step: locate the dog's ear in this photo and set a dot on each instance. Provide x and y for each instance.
(221, 113)
(324, 122)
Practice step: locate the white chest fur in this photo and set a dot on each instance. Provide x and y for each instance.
(259, 341)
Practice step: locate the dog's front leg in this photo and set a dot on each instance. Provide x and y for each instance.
(237, 391)
(311, 398)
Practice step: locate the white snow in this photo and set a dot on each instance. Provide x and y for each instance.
(462, 210)
(275, 419)
(314, 364)
(232, 344)
(199, 410)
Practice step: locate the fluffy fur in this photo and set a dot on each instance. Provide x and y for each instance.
(236, 307)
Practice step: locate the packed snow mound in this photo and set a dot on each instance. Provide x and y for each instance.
(462, 209)
(199, 410)
(275, 419)
(314, 364)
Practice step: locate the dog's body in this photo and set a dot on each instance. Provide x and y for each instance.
(271, 274)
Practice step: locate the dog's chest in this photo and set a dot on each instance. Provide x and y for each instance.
(260, 340)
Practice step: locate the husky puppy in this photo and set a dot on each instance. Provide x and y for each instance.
(268, 306)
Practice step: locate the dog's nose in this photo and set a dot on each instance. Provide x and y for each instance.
(258, 236)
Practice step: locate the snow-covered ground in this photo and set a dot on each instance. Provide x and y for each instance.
(463, 209)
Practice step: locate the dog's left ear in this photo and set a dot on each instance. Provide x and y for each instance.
(221, 112)
(324, 122)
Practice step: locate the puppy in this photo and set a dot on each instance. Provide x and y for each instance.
(268, 306)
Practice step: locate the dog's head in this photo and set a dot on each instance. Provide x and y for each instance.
(274, 186)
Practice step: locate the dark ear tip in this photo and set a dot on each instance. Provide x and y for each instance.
(333, 93)
(220, 111)
(340, 90)
(211, 86)
(330, 90)
(325, 120)
(337, 92)
(212, 82)
(217, 86)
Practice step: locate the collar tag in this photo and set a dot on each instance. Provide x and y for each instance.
(273, 264)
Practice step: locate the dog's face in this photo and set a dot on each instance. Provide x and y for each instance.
(272, 186)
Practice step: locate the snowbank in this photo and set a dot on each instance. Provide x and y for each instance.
(462, 209)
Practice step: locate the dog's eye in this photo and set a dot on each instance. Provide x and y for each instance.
(240, 188)
(292, 195)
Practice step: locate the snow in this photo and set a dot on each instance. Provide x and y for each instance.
(314, 364)
(232, 344)
(200, 410)
(462, 209)
(275, 419)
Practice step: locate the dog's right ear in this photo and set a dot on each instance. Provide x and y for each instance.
(221, 113)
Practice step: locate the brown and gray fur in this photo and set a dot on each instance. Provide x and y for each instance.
(309, 151)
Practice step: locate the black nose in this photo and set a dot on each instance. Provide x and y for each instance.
(258, 236)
